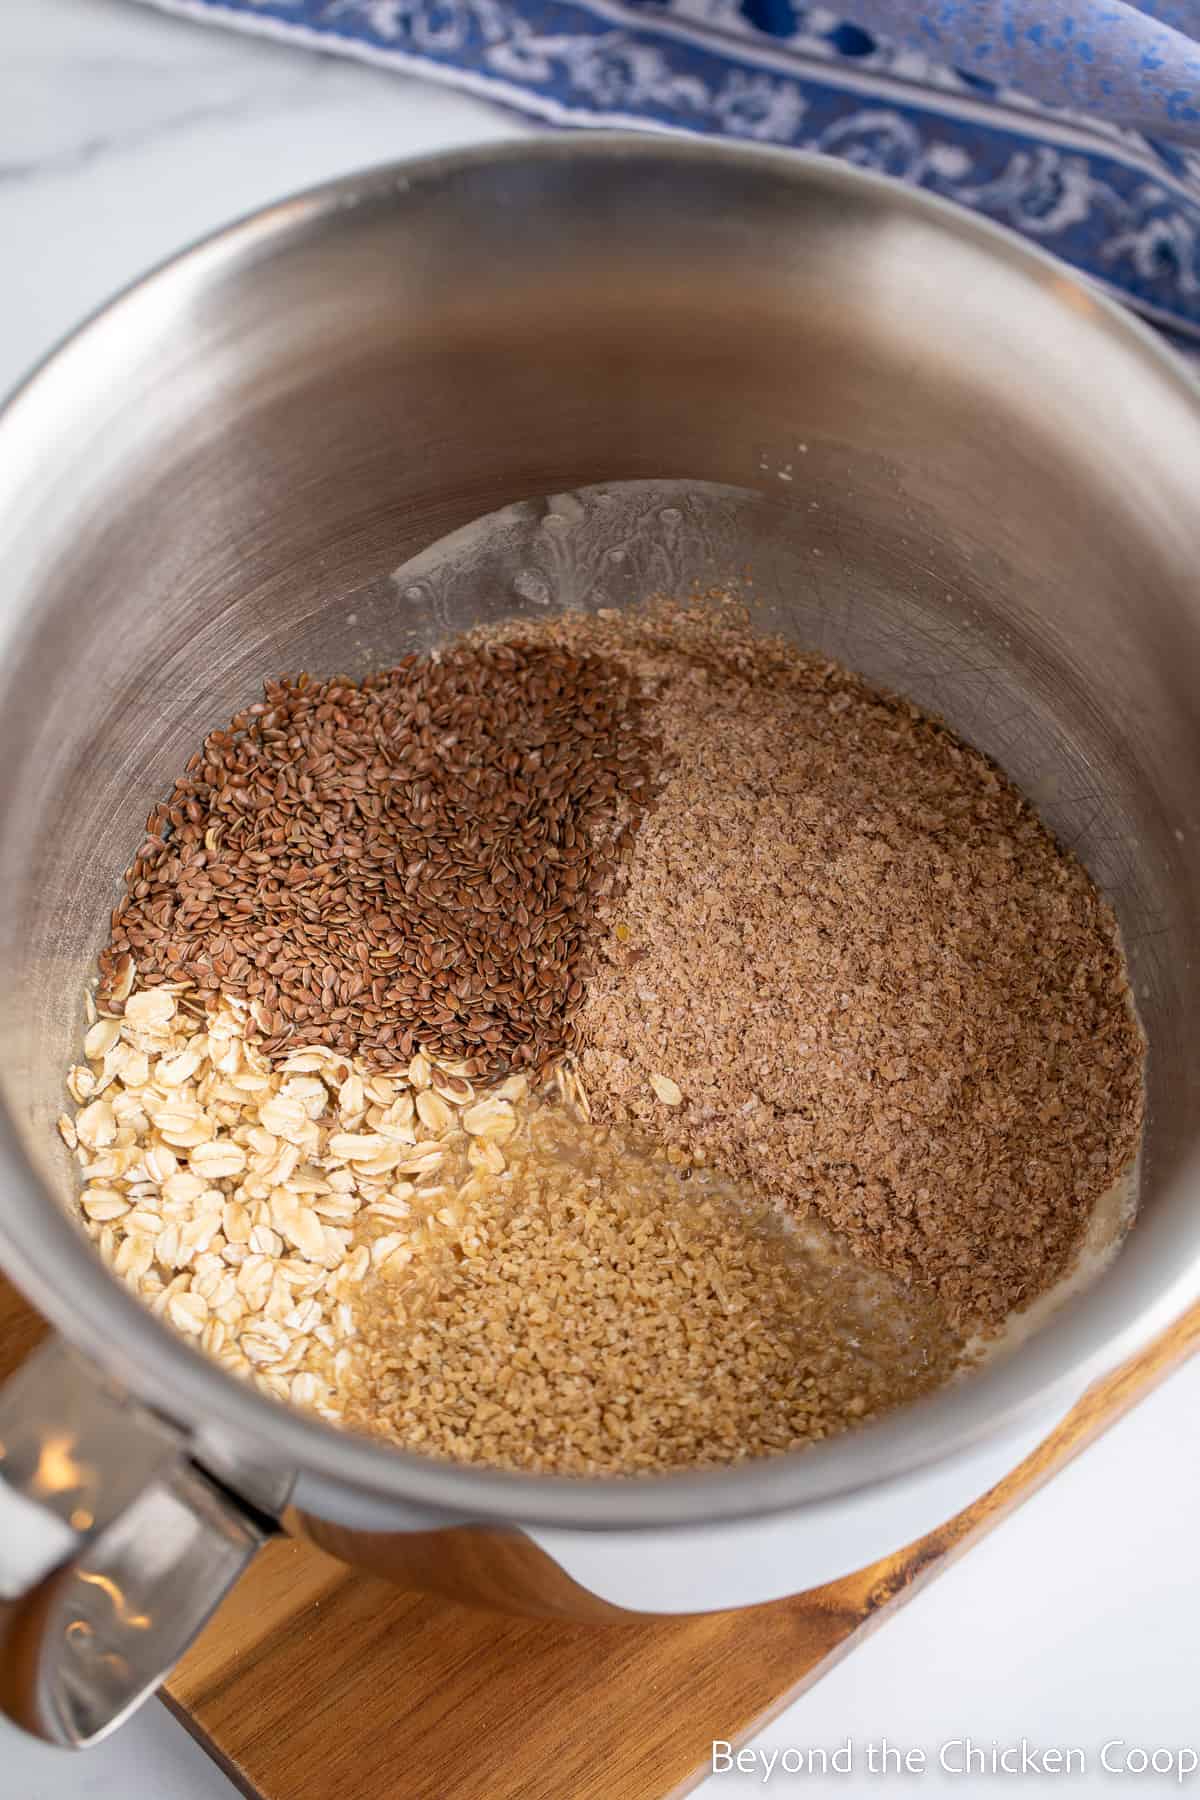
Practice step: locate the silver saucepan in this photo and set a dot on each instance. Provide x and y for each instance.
(566, 372)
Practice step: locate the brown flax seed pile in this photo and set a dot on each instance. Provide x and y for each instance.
(415, 858)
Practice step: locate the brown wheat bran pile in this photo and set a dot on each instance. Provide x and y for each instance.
(887, 996)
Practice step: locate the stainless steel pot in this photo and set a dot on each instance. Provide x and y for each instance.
(942, 459)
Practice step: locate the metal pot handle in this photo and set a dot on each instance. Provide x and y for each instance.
(114, 1549)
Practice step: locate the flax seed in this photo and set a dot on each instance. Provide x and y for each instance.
(475, 798)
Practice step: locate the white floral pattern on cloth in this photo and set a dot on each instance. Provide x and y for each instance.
(1124, 209)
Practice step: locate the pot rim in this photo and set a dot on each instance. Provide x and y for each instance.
(54, 1265)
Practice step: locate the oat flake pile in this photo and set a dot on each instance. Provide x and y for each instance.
(617, 1044)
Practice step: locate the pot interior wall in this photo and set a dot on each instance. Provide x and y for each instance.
(948, 471)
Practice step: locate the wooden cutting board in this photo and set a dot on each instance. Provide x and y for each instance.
(313, 1683)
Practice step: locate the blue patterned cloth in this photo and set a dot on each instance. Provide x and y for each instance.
(1121, 201)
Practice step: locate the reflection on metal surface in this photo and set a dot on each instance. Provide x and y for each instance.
(76, 1451)
(96, 1638)
(132, 1621)
(94, 1631)
(495, 1566)
(58, 1470)
(1071, 294)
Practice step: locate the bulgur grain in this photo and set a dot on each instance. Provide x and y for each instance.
(604, 1312)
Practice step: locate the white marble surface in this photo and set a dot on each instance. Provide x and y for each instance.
(123, 135)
